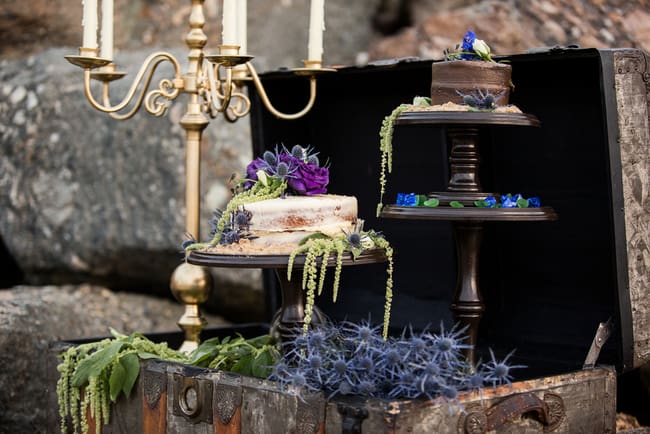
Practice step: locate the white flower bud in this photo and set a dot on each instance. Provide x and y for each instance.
(261, 177)
(481, 48)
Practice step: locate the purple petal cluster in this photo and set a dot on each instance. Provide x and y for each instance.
(353, 359)
(300, 168)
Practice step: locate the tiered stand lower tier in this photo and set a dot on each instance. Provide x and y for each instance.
(464, 186)
(292, 312)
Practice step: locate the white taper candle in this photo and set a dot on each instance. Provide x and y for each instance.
(89, 23)
(316, 28)
(229, 22)
(107, 29)
(242, 18)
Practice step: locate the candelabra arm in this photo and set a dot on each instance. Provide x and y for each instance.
(267, 102)
(231, 103)
(167, 89)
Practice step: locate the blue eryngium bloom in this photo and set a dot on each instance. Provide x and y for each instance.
(407, 199)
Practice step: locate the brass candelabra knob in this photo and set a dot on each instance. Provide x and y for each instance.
(191, 285)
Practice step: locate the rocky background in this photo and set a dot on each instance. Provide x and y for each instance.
(93, 208)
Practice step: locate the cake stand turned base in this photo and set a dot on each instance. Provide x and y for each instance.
(468, 306)
(290, 319)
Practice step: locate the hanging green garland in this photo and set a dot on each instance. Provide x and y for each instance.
(321, 246)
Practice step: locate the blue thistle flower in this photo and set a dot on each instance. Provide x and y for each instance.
(449, 345)
(299, 152)
(362, 335)
(498, 371)
(270, 158)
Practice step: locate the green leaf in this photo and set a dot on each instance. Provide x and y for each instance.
(522, 203)
(243, 365)
(116, 334)
(432, 202)
(262, 364)
(94, 364)
(456, 204)
(131, 365)
(260, 341)
(144, 355)
(116, 382)
(205, 352)
(480, 204)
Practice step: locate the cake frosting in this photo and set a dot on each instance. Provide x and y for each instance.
(277, 226)
(451, 80)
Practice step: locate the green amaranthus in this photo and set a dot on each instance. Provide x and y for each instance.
(264, 189)
(386, 142)
(93, 375)
(321, 246)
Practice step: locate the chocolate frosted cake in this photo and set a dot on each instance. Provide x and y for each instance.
(450, 80)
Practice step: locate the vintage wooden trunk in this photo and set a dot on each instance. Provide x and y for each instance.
(546, 285)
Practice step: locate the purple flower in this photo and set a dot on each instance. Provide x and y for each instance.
(252, 168)
(309, 179)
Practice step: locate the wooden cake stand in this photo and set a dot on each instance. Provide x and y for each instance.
(292, 312)
(464, 186)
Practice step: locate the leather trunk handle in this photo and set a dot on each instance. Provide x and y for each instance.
(549, 411)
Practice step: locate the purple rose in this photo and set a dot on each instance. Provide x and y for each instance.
(309, 179)
(251, 170)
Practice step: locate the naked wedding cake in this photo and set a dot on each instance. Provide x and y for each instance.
(282, 201)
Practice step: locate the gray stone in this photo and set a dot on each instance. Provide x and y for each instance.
(86, 197)
(33, 317)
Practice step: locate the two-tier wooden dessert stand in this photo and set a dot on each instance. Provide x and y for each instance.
(464, 186)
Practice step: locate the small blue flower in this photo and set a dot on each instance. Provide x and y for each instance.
(508, 201)
(534, 202)
(490, 201)
(407, 199)
(468, 46)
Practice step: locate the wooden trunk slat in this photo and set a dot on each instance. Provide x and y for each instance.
(632, 98)
(233, 427)
(152, 383)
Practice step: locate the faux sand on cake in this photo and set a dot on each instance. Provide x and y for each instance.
(453, 107)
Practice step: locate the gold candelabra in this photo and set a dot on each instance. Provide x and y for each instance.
(215, 85)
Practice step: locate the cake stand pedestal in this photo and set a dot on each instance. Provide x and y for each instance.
(464, 186)
(291, 316)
